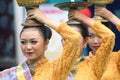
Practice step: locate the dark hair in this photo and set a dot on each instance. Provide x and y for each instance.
(46, 32)
(83, 29)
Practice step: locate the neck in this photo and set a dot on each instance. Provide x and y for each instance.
(34, 63)
(37, 59)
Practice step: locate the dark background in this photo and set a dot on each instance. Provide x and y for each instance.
(7, 34)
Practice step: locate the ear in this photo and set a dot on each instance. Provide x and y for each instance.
(85, 42)
(46, 44)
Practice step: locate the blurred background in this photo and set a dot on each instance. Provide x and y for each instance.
(11, 17)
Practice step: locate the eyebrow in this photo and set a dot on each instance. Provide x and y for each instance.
(30, 39)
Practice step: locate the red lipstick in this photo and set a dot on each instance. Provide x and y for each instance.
(29, 53)
(96, 47)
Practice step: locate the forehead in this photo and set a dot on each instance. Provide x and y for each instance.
(30, 33)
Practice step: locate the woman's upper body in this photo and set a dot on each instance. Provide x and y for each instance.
(53, 70)
(92, 68)
(34, 44)
(112, 71)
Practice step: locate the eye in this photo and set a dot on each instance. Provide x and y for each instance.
(33, 42)
(91, 36)
(23, 42)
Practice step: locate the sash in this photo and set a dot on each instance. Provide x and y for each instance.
(23, 72)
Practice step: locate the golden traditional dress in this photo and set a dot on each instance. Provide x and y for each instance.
(93, 68)
(58, 69)
(112, 71)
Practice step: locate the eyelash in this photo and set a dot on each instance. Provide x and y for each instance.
(32, 42)
(23, 42)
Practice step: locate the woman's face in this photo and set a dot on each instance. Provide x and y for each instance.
(94, 40)
(33, 44)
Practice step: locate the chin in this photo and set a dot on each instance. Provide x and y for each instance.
(31, 58)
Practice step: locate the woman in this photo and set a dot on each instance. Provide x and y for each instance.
(112, 71)
(34, 42)
(94, 41)
(93, 68)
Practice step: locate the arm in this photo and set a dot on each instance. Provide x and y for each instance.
(108, 39)
(106, 47)
(71, 50)
(40, 17)
(105, 13)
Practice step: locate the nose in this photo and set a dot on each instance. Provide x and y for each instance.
(29, 47)
(96, 40)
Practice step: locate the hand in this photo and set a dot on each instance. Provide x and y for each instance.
(103, 12)
(73, 14)
(37, 14)
(77, 15)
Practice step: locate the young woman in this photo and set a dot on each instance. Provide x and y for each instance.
(34, 42)
(93, 68)
(112, 71)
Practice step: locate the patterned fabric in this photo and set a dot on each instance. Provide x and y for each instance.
(12, 74)
(70, 77)
(112, 72)
(93, 68)
(60, 68)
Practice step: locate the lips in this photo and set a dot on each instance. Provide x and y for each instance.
(96, 47)
(29, 53)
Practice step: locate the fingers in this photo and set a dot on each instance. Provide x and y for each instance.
(72, 14)
(32, 13)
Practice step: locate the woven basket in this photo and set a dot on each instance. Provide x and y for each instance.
(29, 2)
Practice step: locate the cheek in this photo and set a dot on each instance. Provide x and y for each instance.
(22, 48)
(39, 47)
(90, 41)
(100, 41)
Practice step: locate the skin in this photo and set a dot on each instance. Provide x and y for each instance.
(94, 40)
(33, 44)
(105, 13)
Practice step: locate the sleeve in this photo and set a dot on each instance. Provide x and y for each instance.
(106, 47)
(118, 27)
(112, 70)
(71, 50)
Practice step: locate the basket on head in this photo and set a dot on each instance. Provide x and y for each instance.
(29, 2)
